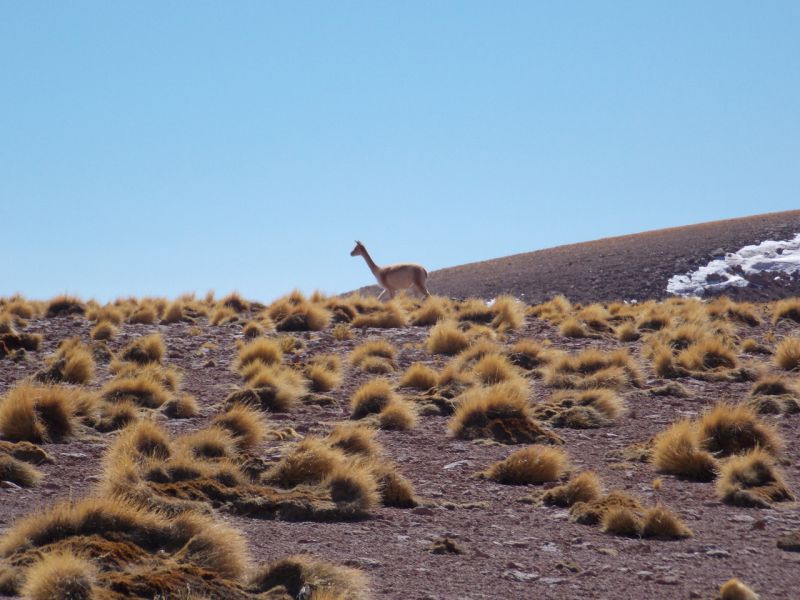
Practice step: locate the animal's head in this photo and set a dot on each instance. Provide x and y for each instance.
(358, 250)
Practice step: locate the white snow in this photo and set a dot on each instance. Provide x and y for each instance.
(731, 271)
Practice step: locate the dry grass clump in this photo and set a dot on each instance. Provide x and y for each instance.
(116, 416)
(37, 413)
(72, 362)
(354, 440)
(500, 412)
(707, 355)
(474, 310)
(108, 313)
(654, 319)
(753, 346)
(585, 409)
(494, 368)
(60, 576)
(627, 332)
(182, 407)
(144, 315)
(265, 351)
(142, 389)
(661, 523)
(433, 310)
(788, 309)
(593, 369)
(295, 313)
(247, 426)
(773, 394)
(20, 308)
(302, 572)
(752, 479)
(529, 354)
(144, 350)
(65, 305)
(398, 415)
(584, 487)
(16, 344)
(342, 332)
(787, 354)
(509, 313)
(235, 302)
(371, 398)
(324, 373)
(572, 328)
(174, 313)
(223, 315)
(390, 316)
(732, 429)
(104, 330)
(535, 464)
(374, 356)
(677, 451)
(275, 388)
(446, 338)
(19, 472)
(208, 443)
(252, 330)
(735, 589)
(622, 521)
(419, 376)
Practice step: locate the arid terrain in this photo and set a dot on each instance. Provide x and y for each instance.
(451, 533)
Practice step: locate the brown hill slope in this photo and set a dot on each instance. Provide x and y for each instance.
(627, 267)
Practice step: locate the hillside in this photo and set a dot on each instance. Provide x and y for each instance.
(629, 267)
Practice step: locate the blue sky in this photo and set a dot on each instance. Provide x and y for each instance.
(152, 148)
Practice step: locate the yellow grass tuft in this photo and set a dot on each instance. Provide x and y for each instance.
(535, 464)
(64, 305)
(788, 309)
(509, 313)
(433, 310)
(223, 315)
(592, 369)
(354, 440)
(342, 332)
(17, 471)
(661, 523)
(373, 348)
(324, 373)
(371, 398)
(419, 377)
(144, 350)
(735, 589)
(182, 407)
(60, 576)
(247, 426)
(37, 413)
(707, 355)
(584, 487)
(621, 520)
(627, 332)
(446, 338)
(787, 354)
(752, 479)
(677, 451)
(398, 415)
(494, 368)
(732, 429)
(296, 573)
(275, 388)
(390, 316)
(265, 351)
(141, 389)
(144, 315)
(528, 354)
(572, 328)
(104, 330)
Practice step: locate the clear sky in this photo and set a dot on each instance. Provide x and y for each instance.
(152, 148)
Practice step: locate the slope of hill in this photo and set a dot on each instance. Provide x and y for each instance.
(629, 267)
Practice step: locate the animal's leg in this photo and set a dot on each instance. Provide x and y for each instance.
(383, 291)
(422, 289)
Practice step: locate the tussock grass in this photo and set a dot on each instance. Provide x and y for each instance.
(584, 487)
(37, 413)
(342, 332)
(21, 308)
(729, 429)
(72, 362)
(582, 409)
(247, 426)
(19, 472)
(141, 389)
(529, 354)
(622, 521)
(354, 440)
(208, 443)
(494, 368)
(500, 412)
(735, 589)
(593, 512)
(144, 350)
(144, 315)
(677, 451)
(572, 328)
(374, 348)
(173, 313)
(419, 376)
(104, 330)
(752, 479)
(296, 573)
(535, 464)
(235, 302)
(706, 355)
(509, 313)
(223, 315)
(182, 407)
(627, 332)
(391, 316)
(788, 309)
(753, 346)
(117, 416)
(376, 365)
(787, 354)
(265, 351)
(252, 330)
(433, 310)
(592, 369)
(398, 415)
(663, 524)
(475, 310)
(60, 576)
(773, 385)
(446, 338)
(294, 314)
(64, 305)
(324, 373)
(371, 398)
(167, 377)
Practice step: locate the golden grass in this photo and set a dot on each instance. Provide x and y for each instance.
(300, 572)
(494, 368)
(265, 351)
(64, 305)
(446, 338)
(663, 524)
(735, 589)
(235, 302)
(535, 464)
(622, 521)
(252, 329)
(371, 398)
(398, 415)
(627, 332)
(419, 376)
(324, 373)
(773, 385)
(144, 315)
(788, 309)
(390, 316)
(582, 409)
(72, 362)
(433, 310)
(509, 313)
(310, 461)
(104, 330)
(211, 442)
(372, 348)
(300, 317)
(223, 315)
(592, 369)
(342, 332)
(60, 576)
(108, 313)
(787, 354)
(572, 328)
(144, 350)
(752, 479)
(37, 413)
(376, 365)
(173, 313)
(182, 407)
(706, 355)
(141, 389)
(729, 429)
(354, 440)
(584, 487)
(19, 472)
(529, 354)
(677, 451)
(247, 426)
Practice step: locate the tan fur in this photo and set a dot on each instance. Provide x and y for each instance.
(393, 278)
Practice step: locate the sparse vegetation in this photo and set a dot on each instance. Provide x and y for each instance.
(535, 464)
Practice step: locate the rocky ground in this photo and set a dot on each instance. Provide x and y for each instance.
(510, 548)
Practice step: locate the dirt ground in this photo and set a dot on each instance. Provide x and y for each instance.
(511, 549)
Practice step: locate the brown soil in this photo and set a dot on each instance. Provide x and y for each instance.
(511, 549)
(629, 267)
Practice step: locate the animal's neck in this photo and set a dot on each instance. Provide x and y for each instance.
(376, 270)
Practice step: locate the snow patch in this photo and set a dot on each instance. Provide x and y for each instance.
(778, 258)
